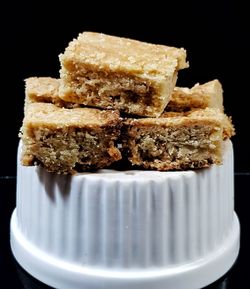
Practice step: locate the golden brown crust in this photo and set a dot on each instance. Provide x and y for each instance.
(41, 89)
(111, 53)
(228, 127)
(52, 116)
(45, 89)
(209, 94)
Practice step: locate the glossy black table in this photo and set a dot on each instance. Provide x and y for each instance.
(15, 277)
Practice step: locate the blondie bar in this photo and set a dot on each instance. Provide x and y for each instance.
(45, 89)
(209, 94)
(177, 141)
(66, 141)
(118, 73)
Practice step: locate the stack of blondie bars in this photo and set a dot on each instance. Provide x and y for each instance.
(116, 102)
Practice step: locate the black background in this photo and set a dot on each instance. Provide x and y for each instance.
(215, 34)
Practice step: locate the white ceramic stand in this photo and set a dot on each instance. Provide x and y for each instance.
(126, 230)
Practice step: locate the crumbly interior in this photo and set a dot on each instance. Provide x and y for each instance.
(185, 140)
(69, 140)
(174, 147)
(69, 150)
(120, 91)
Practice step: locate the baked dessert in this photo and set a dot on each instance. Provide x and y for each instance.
(69, 140)
(209, 94)
(45, 89)
(177, 141)
(150, 227)
(118, 73)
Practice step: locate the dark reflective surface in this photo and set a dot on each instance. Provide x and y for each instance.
(29, 282)
(15, 277)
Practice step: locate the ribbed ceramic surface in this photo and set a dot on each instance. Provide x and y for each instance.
(131, 219)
